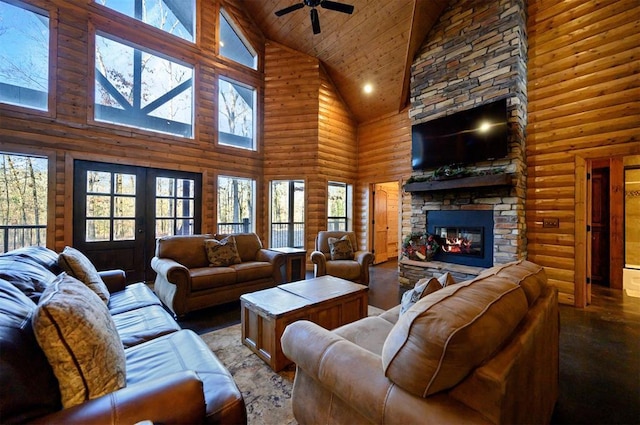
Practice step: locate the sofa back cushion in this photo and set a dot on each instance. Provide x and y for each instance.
(445, 335)
(530, 276)
(187, 250)
(25, 273)
(75, 330)
(322, 240)
(28, 387)
(247, 244)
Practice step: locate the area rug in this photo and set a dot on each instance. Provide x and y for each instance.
(267, 394)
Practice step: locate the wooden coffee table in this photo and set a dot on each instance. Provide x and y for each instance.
(327, 300)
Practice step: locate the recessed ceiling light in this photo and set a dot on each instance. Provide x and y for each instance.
(368, 88)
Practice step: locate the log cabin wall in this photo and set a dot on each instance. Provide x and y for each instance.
(66, 133)
(583, 105)
(309, 132)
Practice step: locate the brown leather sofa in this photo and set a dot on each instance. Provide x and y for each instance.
(185, 282)
(171, 374)
(355, 269)
(479, 351)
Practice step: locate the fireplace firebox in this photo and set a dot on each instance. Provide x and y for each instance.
(465, 237)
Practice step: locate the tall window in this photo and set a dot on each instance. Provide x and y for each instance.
(23, 201)
(173, 16)
(234, 47)
(139, 89)
(287, 213)
(236, 117)
(339, 206)
(175, 206)
(24, 56)
(236, 205)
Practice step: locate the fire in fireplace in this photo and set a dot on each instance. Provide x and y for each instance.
(466, 237)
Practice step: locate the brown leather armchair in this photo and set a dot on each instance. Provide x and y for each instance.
(355, 270)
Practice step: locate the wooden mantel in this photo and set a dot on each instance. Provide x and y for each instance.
(461, 183)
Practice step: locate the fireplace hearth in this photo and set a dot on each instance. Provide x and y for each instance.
(465, 237)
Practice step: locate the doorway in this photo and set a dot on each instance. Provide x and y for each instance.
(385, 223)
(600, 188)
(120, 210)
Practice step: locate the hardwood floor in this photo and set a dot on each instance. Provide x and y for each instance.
(599, 349)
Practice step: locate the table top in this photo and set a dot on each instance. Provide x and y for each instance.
(290, 297)
(289, 250)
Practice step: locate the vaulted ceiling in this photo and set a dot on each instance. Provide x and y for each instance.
(374, 45)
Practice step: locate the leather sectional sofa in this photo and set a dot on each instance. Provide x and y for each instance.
(171, 374)
(185, 281)
(479, 351)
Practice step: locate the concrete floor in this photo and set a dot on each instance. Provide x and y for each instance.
(599, 349)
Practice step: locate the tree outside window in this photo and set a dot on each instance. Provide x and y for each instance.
(236, 205)
(236, 117)
(24, 56)
(287, 213)
(338, 204)
(23, 201)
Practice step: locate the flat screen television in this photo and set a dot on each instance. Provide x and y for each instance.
(474, 135)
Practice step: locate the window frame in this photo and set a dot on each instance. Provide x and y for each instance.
(348, 206)
(291, 223)
(254, 196)
(254, 113)
(241, 36)
(52, 14)
(91, 101)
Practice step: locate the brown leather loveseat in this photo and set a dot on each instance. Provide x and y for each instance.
(100, 351)
(479, 351)
(186, 282)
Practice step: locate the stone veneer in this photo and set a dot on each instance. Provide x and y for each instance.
(475, 54)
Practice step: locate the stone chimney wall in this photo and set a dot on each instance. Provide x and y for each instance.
(475, 54)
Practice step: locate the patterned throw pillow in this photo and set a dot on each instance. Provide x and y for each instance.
(77, 265)
(341, 249)
(222, 253)
(77, 334)
(423, 288)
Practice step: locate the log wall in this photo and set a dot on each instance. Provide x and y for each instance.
(584, 91)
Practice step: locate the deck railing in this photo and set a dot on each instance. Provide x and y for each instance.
(18, 236)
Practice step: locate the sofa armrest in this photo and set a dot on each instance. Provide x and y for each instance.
(352, 373)
(320, 262)
(176, 398)
(171, 270)
(364, 258)
(277, 260)
(115, 280)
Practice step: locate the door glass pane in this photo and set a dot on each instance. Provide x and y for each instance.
(125, 184)
(632, 218)
(98, 182)
(98, 206)
(185, 188)
(164, 186)
(164, 207)
(98, 230)
(164, 228)
(124, 230)
(124, 207)
(184, 208)
(175, 201)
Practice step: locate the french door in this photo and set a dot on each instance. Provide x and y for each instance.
(120, 210)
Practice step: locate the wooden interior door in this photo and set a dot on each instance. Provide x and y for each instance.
(600, 219)
(380, 226)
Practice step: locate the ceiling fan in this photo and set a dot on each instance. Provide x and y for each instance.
(325, 4)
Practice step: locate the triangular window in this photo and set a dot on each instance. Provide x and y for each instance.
(233, 46)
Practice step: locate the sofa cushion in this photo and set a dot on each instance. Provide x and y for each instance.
(29, 388)
(253, 270)
(423, 288)
(75, 330)
(204, 278)
(132, 297)
(77, 265)
(530, 276)
(31, 279)
(222, 253)
(187, 250)
(143, 324)
(248, 245)
(341, 248)
(445, 335)
(346, 269)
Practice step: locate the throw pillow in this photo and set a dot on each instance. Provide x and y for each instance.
(222, 253)
(341, 249)
(77, 334)
(446, 279)
(423, 288)
(77, 265)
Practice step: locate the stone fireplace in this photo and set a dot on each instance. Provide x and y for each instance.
(474, 55)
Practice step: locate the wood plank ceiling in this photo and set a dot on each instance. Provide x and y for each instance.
(374, 45)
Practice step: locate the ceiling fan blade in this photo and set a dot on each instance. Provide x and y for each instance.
(289, 9)
(315, 21)
(339, 7)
